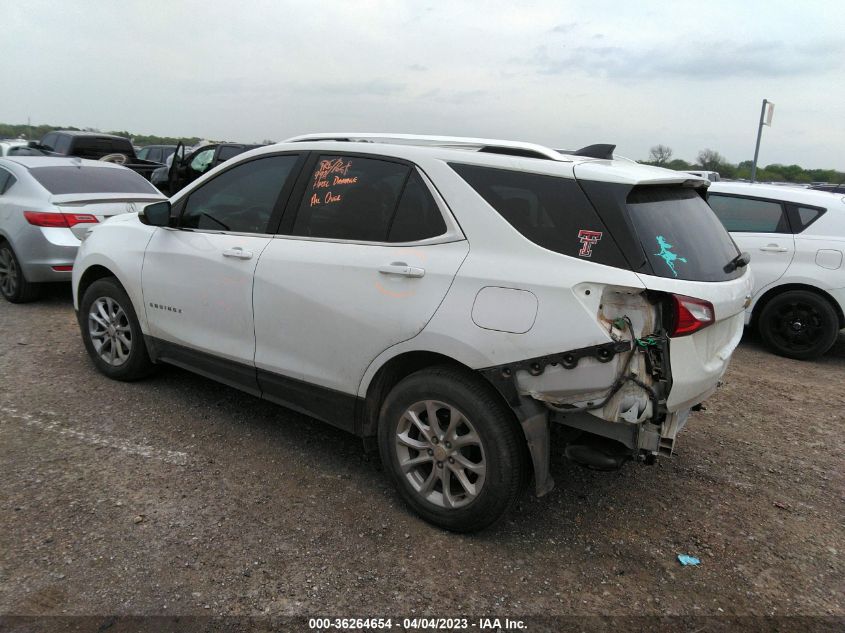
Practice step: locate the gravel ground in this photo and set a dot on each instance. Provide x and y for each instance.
(177, 495)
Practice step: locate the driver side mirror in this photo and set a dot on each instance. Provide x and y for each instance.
(157, 214)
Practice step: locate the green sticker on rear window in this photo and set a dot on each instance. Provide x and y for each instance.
(668, 256)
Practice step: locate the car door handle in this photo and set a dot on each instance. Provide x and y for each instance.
(773, 248)
(401, 268)
(238, 253)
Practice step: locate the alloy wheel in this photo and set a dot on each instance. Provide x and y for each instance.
(798, 326)
(441, 454)
(108, 327)
(8, 273)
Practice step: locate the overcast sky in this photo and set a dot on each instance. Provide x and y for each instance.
(566, 74)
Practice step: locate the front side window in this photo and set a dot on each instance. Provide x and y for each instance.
(241, 199)
(143, 153)
(351, 198)
(48, 141)
(62, 144)
(747, 215)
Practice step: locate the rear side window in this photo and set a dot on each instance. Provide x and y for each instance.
(417, 217)
(681, 236)
(6, 181)
(801, 217)
(550, 211)
(241, 199)
(60, 180)
(747, 215)
(351, 198)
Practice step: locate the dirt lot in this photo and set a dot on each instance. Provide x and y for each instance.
(179, 496)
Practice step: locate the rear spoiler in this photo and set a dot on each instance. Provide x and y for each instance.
(636, 174)
(92, 198)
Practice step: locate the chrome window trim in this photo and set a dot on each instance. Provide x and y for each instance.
(440, 239)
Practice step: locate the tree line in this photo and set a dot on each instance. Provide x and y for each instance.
(710, 160)
(660, 155)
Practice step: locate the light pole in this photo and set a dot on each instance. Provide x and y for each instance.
(766, 113)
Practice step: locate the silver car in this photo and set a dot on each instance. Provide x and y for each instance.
(46, 207)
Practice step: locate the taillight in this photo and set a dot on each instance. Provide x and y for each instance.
(58, 220)
(690, 315)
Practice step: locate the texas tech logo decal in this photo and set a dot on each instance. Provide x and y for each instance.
(588, 240)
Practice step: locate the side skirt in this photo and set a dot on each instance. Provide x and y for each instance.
(328, 405)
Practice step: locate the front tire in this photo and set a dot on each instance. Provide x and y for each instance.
(454, 451)
(111, 332)
(799, 324)
(13, 285)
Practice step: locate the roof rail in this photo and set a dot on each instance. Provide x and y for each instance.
(492, 146)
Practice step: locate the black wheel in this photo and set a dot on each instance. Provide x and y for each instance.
(13, 285)
(452, 448)
(799, 324)
(111, 332)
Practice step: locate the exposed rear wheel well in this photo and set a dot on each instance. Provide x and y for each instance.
(779, 290)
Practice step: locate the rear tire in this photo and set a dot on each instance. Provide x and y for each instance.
(13, 285)
(111, 332)
(799, 324)
(464, 472)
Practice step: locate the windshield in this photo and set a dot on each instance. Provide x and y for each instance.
(681, 236)
(60, 180)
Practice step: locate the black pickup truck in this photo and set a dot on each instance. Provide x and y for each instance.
(95, 146)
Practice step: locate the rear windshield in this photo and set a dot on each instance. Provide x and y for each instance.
(680, 234)
(95, 147)
(59, 180)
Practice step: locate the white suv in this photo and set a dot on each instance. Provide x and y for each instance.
(796, 238)
(445, 298)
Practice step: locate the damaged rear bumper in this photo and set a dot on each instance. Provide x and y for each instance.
(632, 414)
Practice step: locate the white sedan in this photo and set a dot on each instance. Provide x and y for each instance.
(46, 207)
